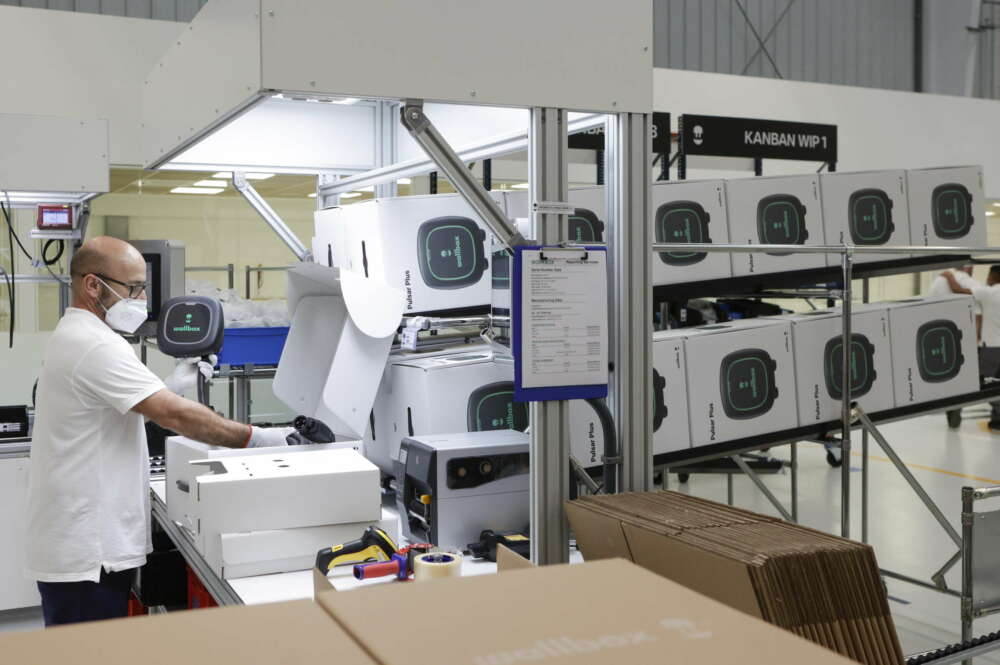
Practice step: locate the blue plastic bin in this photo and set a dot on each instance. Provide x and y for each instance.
(260, 346)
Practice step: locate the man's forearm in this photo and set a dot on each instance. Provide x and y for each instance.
(193, 420)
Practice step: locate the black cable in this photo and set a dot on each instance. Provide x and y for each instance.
(610, 443)
(10, 298)
(45, 251)
(12, 279)
(13, 234)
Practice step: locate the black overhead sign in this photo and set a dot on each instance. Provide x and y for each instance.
(749, 137)
(593, 139)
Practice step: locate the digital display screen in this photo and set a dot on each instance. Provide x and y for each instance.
(188, 324)
(56, 217)
(450, 252)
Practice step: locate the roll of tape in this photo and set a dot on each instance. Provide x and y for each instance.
(436, 565)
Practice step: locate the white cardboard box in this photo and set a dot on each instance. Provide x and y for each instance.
(284, 491)
(775, 210)
(947, 207)
(462, 392)
(181, 451)
(867, 209)
(251, 553)
(689, 211)
(741, 380)
(671, 428)
(587, 224)
(933, 348)
(435, 248)
(818, 341)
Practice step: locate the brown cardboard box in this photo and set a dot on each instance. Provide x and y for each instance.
(818, 586)
(294, 633)
(607, 612)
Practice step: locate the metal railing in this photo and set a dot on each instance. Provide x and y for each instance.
(229, 269)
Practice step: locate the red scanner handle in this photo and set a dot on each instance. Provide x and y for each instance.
(372, 570)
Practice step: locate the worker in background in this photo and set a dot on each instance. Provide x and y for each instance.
(941, 287)
(988, 299)
(88, 522)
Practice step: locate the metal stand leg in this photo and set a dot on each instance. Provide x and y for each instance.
(905, 472)
(795, 482)
(729, 489)
(845, 444)
(968, 499)
(864, 486)
(745, 468)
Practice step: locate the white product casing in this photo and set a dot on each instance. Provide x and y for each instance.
(341, 332)
(710, 197)
(380, 238)
(921, 185)
(670, 366)
(517, 206)
(811, 334)
(714, 356)
(748, 198)
(905, 320)
(847, 195)
(431, 395)
(181, 451)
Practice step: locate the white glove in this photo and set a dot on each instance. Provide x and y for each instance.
(185, 374)
(269, 437)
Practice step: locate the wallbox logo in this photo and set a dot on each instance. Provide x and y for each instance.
(699, 135)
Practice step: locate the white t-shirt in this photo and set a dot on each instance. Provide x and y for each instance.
(988, 297)
(940, 286)
(88, 488)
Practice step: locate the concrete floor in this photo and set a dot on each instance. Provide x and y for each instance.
(906, 538)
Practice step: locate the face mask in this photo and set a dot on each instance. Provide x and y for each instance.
(126, 315)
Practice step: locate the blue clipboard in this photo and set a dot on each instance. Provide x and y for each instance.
(554, 393)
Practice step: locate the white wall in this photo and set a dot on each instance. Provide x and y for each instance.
(76, 64)
(877, 129)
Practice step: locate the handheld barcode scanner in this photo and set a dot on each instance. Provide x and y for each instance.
(747, 383)
(951, 210)
(870, 217)
(191, 326)
(862, 362)
(681, 221)
(939, 350)
(452, 252)
(493, 407)
(781, 220)
(585, 227)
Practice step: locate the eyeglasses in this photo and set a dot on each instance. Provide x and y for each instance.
(134, 290)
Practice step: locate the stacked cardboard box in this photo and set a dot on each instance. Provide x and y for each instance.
(820, 587)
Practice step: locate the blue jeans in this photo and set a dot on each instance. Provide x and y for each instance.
(73, 602)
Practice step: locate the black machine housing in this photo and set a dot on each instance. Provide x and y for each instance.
(681, 221)
(939, 350)
(747, 383)
(869, 217)
(659, 400)
(493, 407)
(951, 210)
(781, 220)
(584, 226)
(451, 252)
(862, 361)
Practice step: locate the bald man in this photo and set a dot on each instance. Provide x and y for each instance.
(88, 491)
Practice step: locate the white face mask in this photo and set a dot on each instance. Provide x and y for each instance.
(127, 314)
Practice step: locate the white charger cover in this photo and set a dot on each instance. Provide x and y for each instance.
(338, 344)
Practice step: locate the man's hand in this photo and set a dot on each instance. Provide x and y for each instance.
(266, 437)
(185, 374)
(953, 283)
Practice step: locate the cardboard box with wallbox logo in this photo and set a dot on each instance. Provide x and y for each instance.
(933, 348)
(435, 248)
(547, 615)
(867, 209)
(818, 341)
(586, 224)
(947, 207)
(741, 380)
(671, 429)
(778, 210)
(684, 212)
(462, 392)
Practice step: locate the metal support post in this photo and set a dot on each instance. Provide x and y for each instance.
(549, 451)
(270, 217)
(752, 475)
(428, 137)
(968, 514)
(845, 406)
(908, 476)
(385, 144)
(795, 482)
(628, 142)
(244, 400)
(865, 463)
(730, 498)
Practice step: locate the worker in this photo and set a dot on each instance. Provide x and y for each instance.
(988, 299)
(941, 287)
(88, 518)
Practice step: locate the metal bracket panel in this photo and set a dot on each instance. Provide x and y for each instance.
(385, 144)
(629, 157)
(547, 175)
(985, 572)
(427, 136)
(272, 218)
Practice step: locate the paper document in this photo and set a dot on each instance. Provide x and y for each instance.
(564, 318)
